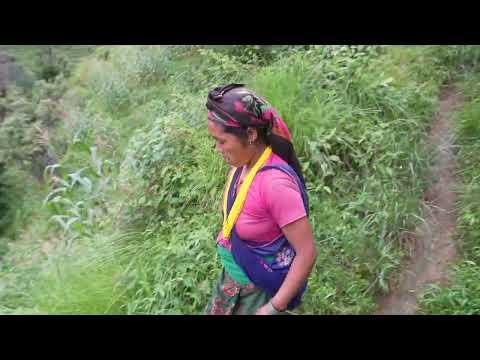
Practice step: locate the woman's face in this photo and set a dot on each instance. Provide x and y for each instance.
(234, 151)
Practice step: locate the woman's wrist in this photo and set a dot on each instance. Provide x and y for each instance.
(279, 307)
(271, 310)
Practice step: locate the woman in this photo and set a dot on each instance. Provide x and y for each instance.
(266, 245)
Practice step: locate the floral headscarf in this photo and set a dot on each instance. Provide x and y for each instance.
(235, 106)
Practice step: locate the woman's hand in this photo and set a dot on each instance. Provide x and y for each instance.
(264, 310)
(268, 309)
(300, 236)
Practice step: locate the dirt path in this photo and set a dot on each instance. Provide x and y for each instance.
(434, 246)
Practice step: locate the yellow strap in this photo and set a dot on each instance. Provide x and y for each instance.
(229, 222)
(225, 195)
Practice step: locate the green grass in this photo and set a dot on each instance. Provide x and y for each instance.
(87, 284)
(358, 116)
(26, 54)
(462, 294)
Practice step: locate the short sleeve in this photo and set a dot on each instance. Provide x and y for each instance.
(282, 198)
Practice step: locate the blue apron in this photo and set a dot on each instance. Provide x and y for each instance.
(265, 275)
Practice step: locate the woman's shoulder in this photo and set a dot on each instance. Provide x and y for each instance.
(276, 178)
(275, 159)
(275, 172)
(280, 194)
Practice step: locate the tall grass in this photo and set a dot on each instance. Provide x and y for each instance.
(357, 115)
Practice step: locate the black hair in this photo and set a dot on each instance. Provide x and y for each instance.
(280, 146)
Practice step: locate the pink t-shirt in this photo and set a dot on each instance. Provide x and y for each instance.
(273, 201)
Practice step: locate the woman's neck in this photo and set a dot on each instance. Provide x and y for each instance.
(258, 152)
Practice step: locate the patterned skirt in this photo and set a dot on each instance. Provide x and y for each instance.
(232, 298)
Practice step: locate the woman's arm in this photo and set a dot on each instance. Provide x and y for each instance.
(300, 236)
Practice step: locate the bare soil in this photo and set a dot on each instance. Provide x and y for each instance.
(433, 244)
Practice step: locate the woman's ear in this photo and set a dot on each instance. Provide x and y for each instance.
(252, 135)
